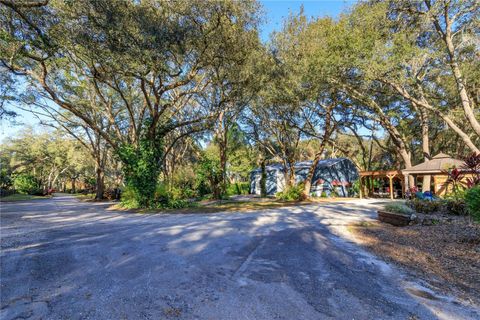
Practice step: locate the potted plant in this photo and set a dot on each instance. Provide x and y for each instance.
(397, 214)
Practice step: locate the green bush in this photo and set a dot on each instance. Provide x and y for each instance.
(238, 188)
(163, 198)
(232, 190)
(128, 199)
(176, 204)
(141, 166)
(456, 206)
(5, 179)
(185, 179)
(294, 193)
(209, 176)
(166, 198)
(334, 193)
(424, 206)
(455, 203)
(26, 184)
(188, 193)
(398, 208)
(452, 205)
(472, 199)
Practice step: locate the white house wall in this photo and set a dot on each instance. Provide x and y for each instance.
(280, 181)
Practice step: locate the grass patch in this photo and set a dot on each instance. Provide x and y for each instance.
(362, 224)
(84, 196)
(221, 206)
(398, 208)
(21, 197)
(367, 224)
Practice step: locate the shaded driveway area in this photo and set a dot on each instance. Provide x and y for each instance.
(65, 259)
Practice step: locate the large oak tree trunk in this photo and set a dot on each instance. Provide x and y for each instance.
(223, 165)
(263, 179)
(54, 181)
(329, 128)
(407, 161)
(222, 141)
(426, 149)
(99, 182)
(49, 180)
(311, 171)
(289, 173)
(74, 187)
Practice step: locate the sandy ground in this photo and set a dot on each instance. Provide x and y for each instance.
(447, 253)
(65, 259)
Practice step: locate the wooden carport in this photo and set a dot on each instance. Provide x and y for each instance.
(391, 174)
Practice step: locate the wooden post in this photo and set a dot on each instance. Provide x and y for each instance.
(360, 187)
(402, 181)
(390, 177)
(406, 184)
(372, 188)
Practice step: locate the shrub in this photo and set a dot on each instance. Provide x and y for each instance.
(472, 199)
(141, 166)
(26, 184)
(202, 188)
(335, 193)
(424, 206)
(398, 208)
(455, 203)
(6, 192)
(455, 206)
(238, 188)
(167, 193)
(128, 199)
(5, 179)
(243, 187)
(209, 176)
(163, 198)
(185, 178)
(294, 193)
(169, 198)
(472, 164)
(111, 194)
(232, 190)
(175, 204)
(189, 193)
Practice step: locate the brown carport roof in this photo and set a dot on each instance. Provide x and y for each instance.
(380, 173)
(437, 164)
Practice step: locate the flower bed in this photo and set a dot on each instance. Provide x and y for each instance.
(397, 214)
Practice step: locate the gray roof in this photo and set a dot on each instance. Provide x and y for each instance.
(437, 164)
(321, 164)
(303, 164)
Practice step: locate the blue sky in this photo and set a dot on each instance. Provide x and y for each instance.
(275, 11)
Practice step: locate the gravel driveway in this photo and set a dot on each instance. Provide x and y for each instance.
(65, 259)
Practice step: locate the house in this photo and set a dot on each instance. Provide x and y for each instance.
(331, 177)
(437, 168)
